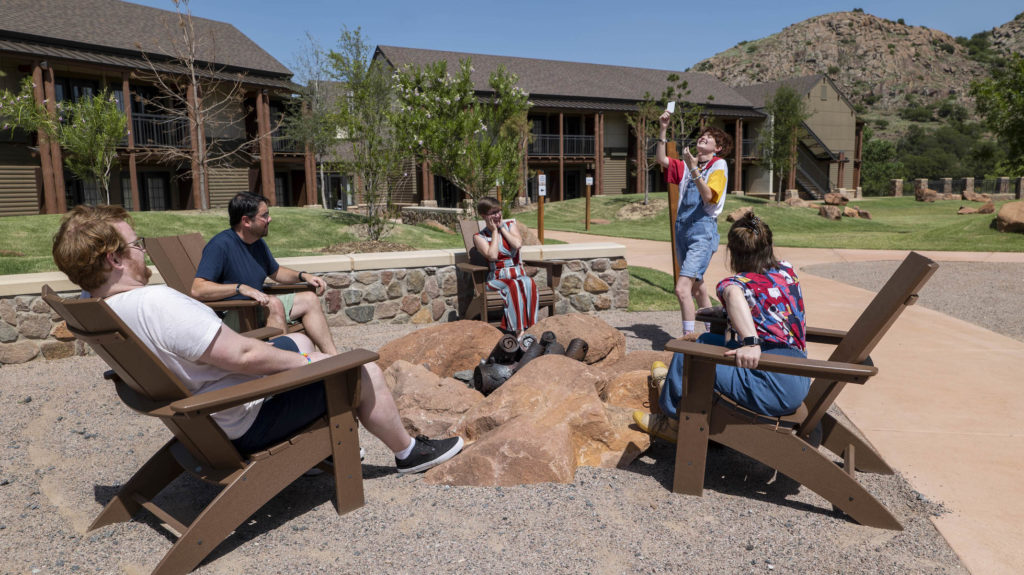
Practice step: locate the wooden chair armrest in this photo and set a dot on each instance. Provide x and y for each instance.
(715, 316)
(231, 304)
(471, 268)
(552, 267)
(263, 333)
(218, 400)
(813, 368)
(286, 288)
(825, 335)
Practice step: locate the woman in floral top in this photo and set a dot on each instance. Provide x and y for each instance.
(766, 311)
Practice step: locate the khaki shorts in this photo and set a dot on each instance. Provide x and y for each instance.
(287, 300)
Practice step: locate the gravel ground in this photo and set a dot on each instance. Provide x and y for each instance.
(68, 442)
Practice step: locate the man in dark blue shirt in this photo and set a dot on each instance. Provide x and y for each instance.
(237, 261)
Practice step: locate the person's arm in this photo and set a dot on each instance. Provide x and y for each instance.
(286, 275)
(743, 323)
(239, 354)
(206, 290)
(660, 147)
(711, 190)
(511, 235)
(488, 249)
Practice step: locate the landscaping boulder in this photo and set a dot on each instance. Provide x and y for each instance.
(849, 212)
(429, 404)
(966, 211)
(444, 348)
(988, 208)
(529, 236)
(830, 212)
(1011, 218)
(797, 202)
(606, 344)
(836, 199)
(863, 214)
(925, 195)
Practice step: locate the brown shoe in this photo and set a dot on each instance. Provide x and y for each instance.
(660, 426)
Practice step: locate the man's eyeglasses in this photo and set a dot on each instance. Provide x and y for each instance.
(139, 243)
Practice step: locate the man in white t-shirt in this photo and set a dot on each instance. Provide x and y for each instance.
(99, 251)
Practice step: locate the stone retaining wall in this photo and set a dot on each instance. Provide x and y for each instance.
(397, 287)
(447, 216)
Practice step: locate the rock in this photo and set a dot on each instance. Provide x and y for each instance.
(637, 360)
(925, 195)
(863, 214)
(529, 236)
(628, 390)
(18, 352)
(444, 348)
(965, 211)
(537, 427)
(988, 208)
(1011, 217)
(57, 349)
(8, 332)
(738, 213)
(830, 212)
(429, 404)
(607, 344)
(849, 212)
(836, 199)
(796, 202)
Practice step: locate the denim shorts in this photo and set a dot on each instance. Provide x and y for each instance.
(694, 248)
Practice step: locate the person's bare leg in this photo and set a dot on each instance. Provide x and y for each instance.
(275, 314)
(306, 307)
(700, 292)
(684, 291)
(377, 410)
(304, 344)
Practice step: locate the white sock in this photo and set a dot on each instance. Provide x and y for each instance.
(707, 326)
(407, 451)
(687, 327)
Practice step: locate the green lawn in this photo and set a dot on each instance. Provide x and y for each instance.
(897, 223)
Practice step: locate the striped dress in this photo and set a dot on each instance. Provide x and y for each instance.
(518, 290)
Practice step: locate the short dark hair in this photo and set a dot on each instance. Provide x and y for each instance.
(246, 204)
(750, 245)
(485, 205)
(723, 140)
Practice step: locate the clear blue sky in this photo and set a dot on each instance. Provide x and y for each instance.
(624, 33)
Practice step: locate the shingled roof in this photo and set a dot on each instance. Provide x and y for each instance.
(548, 80)
(115, 28)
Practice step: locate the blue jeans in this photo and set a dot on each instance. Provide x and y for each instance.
(283, 414)
(761, 391)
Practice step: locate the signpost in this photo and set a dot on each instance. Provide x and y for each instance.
(542, 191)
(673, 207)
(590, 182)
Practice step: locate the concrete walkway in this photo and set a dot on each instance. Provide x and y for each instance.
(946, 410)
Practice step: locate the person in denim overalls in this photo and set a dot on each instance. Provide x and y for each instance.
(702, 181)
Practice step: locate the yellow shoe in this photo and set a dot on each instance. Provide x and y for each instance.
(657, 425)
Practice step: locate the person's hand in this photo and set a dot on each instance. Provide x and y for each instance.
(255, 294)
(664, 120)
(688, 158)
(318, 355)
(318, 283)
(746, 356)
(493, 221)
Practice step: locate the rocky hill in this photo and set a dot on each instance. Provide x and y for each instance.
(881, 65)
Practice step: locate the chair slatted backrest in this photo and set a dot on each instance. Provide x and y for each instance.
(177, 258)
(899, 292)
(143, 382)
(469, 228)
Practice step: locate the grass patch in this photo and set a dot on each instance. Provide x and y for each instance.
(897, 223)
(651, 290)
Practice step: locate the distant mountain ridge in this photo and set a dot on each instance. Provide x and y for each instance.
(879, 64)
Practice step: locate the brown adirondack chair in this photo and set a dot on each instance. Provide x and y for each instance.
(177, 258)
(486, 305)
(198, 445)
(789, 443)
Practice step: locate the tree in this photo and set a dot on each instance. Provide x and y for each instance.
(90, 135)
(786, 114)
(645, 124)
(311, 119)
(880, 165)
(88, 130)
(476, 143)
(365, 117)
(1000, 101)
(195, 96)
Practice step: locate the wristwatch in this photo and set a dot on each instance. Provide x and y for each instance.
(752, 340)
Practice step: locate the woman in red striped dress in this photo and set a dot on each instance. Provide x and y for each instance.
(499, 242)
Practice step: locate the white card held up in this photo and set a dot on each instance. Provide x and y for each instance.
(671, 107)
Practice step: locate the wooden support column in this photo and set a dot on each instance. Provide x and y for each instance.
(673, 207)
(857, 148)
(427, 185)
(266, 147)
(56, 157)
(791, 181)
(561, 156)
(194, 141)
(738, 155)
(309, 195)
(597, 152)
(133, 175)
(841, 170)
(49, 203)
(641, 164)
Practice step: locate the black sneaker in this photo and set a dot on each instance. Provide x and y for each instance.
(429, 452)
